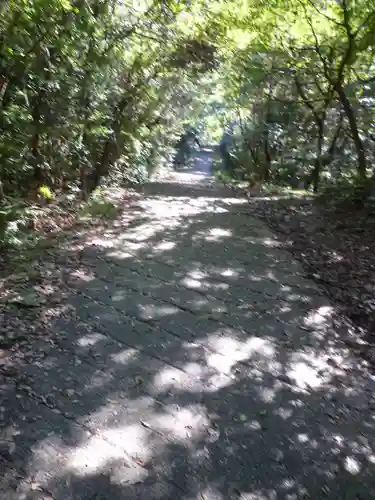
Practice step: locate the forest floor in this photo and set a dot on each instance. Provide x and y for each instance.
(179, 351)
(336, 249)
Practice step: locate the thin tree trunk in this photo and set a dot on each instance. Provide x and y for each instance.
(2, 196)
(110, 149)
(358, 143)
(39, 114)
(267, 159)
(92, 181)
(315, 176)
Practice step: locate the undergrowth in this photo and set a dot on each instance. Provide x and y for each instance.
(25, 227)
(99, 206)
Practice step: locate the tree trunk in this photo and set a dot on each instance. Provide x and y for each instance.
(3, 87)
(110, 150)
(358, 143)
(267, 159)
(2, 196)
(315, 176)
(101, 168)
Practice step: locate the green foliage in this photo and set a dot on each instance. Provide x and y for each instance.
(99, 206)
(348, 194)
(88, 89)
(276, 189)
(128, 175)
(299, 92)
(95, 91)
(224, 178)
(45, 192)
(15, 220)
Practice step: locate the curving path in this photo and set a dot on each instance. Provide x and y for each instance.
(194, 362)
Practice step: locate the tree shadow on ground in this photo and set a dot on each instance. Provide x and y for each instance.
(336, 247)
(194, 362)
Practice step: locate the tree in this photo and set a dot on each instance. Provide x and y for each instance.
(84, 86)
(299, 79)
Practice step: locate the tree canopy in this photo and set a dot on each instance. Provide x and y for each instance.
(94, 88)
(304, 79)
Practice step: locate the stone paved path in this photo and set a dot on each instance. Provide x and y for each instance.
(198, 364)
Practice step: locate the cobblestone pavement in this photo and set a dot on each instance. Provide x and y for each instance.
(198, 363)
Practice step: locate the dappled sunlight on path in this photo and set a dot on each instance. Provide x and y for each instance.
(196, 363)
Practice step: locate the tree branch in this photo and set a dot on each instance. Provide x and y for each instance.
(318, 51)
(331, 19)
(350, 48)
(363, 24)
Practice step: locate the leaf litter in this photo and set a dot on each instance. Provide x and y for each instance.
(337, 250)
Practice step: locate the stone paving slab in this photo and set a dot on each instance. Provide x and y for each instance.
(196, 362)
